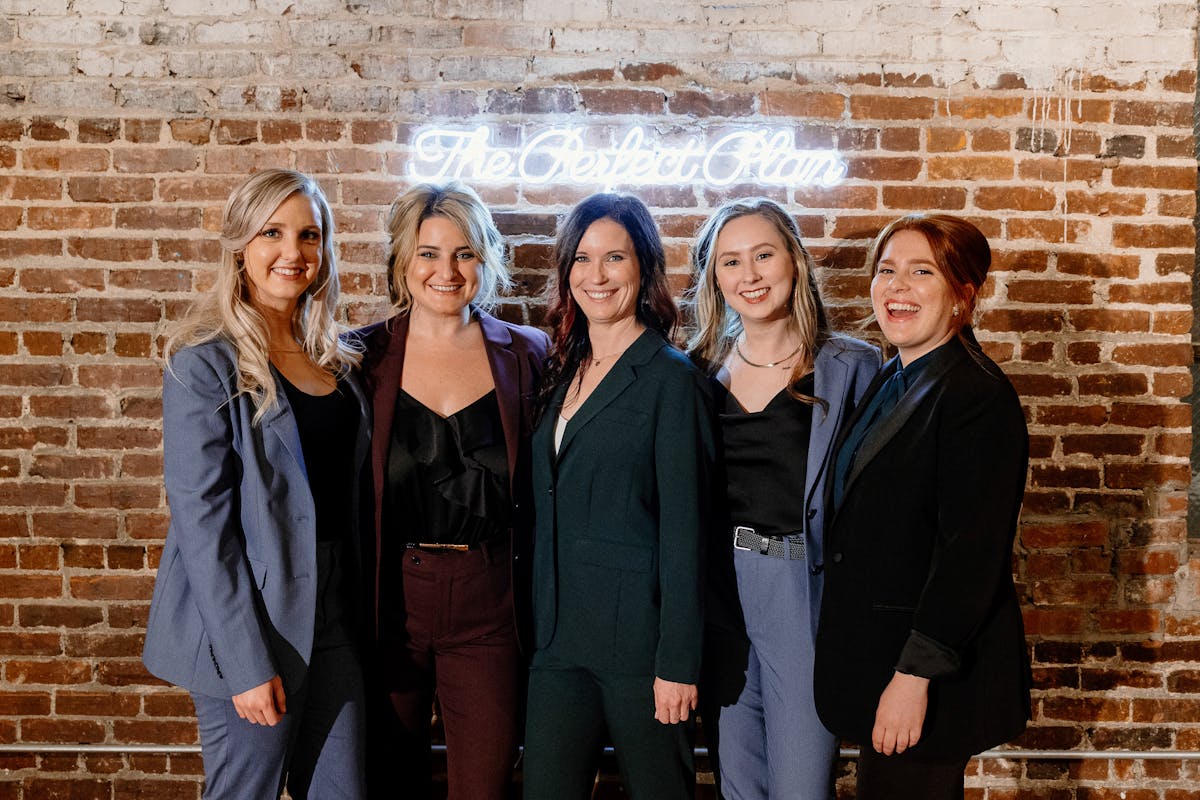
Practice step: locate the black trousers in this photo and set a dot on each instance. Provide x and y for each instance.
(904, 777)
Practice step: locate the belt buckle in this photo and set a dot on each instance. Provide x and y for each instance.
(740, 530)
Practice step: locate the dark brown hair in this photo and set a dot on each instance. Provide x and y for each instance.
(655, 308)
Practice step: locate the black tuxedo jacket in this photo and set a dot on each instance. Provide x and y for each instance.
(918, 561)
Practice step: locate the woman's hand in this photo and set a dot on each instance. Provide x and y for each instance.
(265, 704)
(900, 714)
(673, 701)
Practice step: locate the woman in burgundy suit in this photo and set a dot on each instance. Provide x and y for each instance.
(451, 388)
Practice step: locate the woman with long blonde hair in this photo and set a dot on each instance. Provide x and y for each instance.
(784, 383)
(264, 437)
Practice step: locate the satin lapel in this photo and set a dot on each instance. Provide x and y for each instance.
(885, 429)
(506, 375)
(829, 384)
(364, 409)
(623, 373)
(385, 380)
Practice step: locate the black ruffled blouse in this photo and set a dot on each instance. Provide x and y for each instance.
(447, 477)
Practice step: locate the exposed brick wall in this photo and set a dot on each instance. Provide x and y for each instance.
(1063, 130)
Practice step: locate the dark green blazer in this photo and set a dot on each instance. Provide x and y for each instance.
(620, 516)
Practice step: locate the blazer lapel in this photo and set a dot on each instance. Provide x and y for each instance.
(618, 379)
(885, 429)
(506, 374)
(385, 380)
(363, 442)
(829, 385)
(281, 421)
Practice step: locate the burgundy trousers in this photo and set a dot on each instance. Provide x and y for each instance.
(453, 639)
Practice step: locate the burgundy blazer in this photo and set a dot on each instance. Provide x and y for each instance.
(516, 354)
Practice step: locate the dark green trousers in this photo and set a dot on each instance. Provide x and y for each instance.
(569, 711)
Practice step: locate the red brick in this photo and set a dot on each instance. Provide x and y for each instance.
(1099, 266)
(1176, 292)
(974, 168)
(804, 105)
(1155, 355)
(60, 280)
(990, 140)
(1103, 444)
(897, 139)
(112, 587)
(1051, 291)
(146, 131)
(1172, 115)
(156, 159)
(1113, 384)
(279, 131)
(109, 249)
(1020, 198)
(890, 108)
(1153, 236)
(124, 495)
(1177, 205)
(922, 198)
(1183, 178)
(54, 218)
(60, 616)
(1049, 230)
(55, 730)
(1053, 622)
(1141, 476)
(703, 104)
(65, 159)
(42, 343)
(107, 189)
(882, 168)
(157, 218)
(1065, 534)
(1109, 320)
(1055, 170)
(60, 671)
(981, 107)
(622, 101)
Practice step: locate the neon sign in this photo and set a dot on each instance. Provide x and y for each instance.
(560, 155)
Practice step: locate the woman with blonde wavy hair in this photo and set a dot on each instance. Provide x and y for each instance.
(784, 383)
(452, 388)
(264, 436)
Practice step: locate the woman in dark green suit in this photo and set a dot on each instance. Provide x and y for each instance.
(621, 461)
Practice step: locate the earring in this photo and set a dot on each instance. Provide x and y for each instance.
(956, 311)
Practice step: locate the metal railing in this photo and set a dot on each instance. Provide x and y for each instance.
(1013, 754)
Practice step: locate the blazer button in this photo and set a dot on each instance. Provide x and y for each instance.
(812, 512)
(837, 558)
(550, 491)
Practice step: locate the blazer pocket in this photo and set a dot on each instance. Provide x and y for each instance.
(893, 607)
(614, 555)
(259, 570)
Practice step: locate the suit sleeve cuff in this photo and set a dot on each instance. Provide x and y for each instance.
(927, 658)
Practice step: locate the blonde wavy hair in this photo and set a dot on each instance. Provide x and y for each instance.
(458, 203)
(717, 326)
(227, 312)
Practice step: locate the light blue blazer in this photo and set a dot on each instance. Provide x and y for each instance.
(235, 598)
(843, 370)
